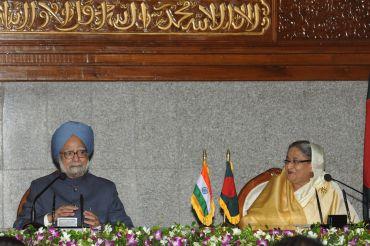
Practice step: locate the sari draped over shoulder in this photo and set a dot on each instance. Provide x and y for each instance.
(276, 206)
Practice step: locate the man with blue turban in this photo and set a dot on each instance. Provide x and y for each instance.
(72, 147)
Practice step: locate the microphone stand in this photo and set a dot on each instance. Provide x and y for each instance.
(61, 176)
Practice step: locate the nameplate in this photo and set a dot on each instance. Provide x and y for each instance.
(67, 222)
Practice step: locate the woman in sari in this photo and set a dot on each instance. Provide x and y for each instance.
(290, 199)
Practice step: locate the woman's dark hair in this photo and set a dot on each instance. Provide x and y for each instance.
(304, 146)
(298, 240)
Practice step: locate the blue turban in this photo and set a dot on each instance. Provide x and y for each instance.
(65, 132)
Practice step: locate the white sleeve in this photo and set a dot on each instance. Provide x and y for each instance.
(46, 221)
(252, 196)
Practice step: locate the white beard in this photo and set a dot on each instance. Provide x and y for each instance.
(75, 170)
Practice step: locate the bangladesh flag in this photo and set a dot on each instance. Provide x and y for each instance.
(202, 199)
(366, 164)
(228, 198)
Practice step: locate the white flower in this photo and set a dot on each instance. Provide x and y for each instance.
(151, 238)
(41, 230)
(207, 230)
(196, 244)
(100, 241)
(236, 231)
(299, 230)
(2, 234)
(213, 239)
(108, 228)
(359, 230)
(333, 230)
(171, 233)
(325, 242)
(65, 237)
(130, 232)
(268, 237)
(138, 233)
(258, 234)
(341, 240)
(312, 234)
(146, 230)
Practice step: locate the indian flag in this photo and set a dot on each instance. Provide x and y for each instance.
(202, 199)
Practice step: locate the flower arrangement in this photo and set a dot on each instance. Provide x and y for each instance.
(179, 235)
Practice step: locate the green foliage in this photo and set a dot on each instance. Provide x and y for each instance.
(177, 234)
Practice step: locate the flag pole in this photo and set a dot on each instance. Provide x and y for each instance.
(228, 157)
(204, 159)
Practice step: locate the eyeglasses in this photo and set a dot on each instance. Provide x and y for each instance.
(296, 162)
(82, 153)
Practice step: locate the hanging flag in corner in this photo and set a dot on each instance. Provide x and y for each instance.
(202, 198)
(366, 163)
(228, 198)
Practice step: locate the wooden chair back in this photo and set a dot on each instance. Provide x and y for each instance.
(22, 202)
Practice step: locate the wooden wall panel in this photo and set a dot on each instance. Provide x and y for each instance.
(324, 40)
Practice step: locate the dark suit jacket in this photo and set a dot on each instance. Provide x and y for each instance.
(100, 197)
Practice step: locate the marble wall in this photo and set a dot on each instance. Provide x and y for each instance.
(150, 136)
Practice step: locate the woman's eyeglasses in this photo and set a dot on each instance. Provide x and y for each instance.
(296, 162)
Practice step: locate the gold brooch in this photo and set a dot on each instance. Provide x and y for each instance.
(323, 190)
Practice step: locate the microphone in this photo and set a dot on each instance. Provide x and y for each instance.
(319, 207)
(346, 204)
(61, 176)
(329, 178)
(82, 210)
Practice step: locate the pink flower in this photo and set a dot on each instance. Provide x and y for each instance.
(353, 242)
(39, 236)
(275, 232)
(158, 235)
(205, 241)
(108, 243)
(262, 242)
(177, 241)
(346, 229)
(226, 240)
(99, 242)
(323, 231)
(19, 237)
(53, 232)
(130, 240)
(71, 243)
(288, 233)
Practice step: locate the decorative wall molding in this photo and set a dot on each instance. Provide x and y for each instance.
(324, 19)
(109, 40)
(252, 17)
